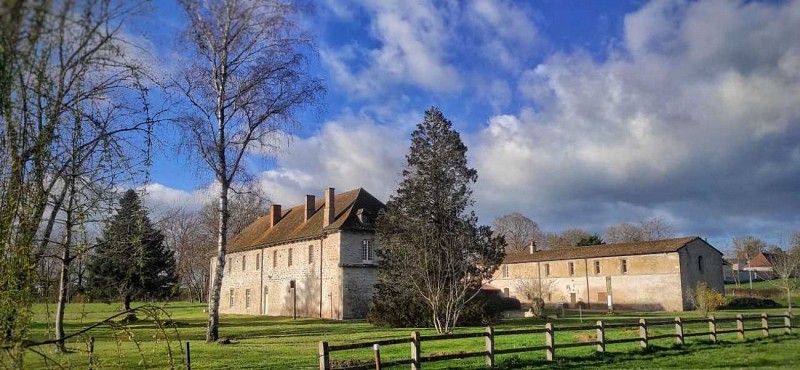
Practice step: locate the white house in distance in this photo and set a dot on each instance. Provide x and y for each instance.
(315, 259)
(652, 275)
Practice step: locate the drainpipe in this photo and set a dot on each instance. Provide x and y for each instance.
(261, 289)
(320, 275)
(586, 271)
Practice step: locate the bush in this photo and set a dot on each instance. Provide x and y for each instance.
(487, 309)
(752, 303)
(705, 299)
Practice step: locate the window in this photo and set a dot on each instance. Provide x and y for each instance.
(230, 298)
(549, 297)
(506, 292)
(366, 251)
(258, 261)
(546, 269)
(571, 269)
(624, 266)
(596, 267)
(244, 264)
(274, 259)
(700, 263)
(310, 254)
(290, 257)
(247, 298)
(505, 271)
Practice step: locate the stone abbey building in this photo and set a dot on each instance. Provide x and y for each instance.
(316, 259)
(644, 276)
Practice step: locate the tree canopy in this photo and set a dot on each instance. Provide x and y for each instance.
(433, 255)
(131, 261)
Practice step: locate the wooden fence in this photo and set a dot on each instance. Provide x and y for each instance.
(550, 346)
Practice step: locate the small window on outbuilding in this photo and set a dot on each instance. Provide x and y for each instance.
(244, 262)
(546, 269)
(505, 271)
(230, 298)
(624, 266)
(311, 254)
(290, 257)
(596, 267)
(247, 298)
(274, 259)
(571, 268)
(700, 263)
(258, 261)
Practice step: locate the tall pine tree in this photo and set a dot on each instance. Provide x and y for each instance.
(433, 256)
(131, 261)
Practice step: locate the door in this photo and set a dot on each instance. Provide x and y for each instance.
(266, 301)
(573, 300)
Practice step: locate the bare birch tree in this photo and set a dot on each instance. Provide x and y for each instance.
(785, 260)
(245, 79)
(535, 290)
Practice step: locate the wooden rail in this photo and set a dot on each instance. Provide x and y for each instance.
(550, 346)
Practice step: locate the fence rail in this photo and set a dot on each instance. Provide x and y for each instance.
(550, 345)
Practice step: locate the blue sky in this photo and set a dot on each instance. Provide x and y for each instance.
(577, 113)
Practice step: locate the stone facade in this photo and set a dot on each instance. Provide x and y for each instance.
(324, 275)
(645, 282)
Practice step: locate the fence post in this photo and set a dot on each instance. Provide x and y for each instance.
(740, 326)
(324, 356)
(91, 353)
(550, 341)
(643, 333)
(712, 328)
(188, 357)
(489, 346)
(787, 322)
(764, 324)
(377, 348)
(416, 362)
(679, 331)
(601, 336)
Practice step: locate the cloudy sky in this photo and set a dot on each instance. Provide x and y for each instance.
(576, 113)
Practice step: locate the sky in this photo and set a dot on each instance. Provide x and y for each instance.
(576, 113)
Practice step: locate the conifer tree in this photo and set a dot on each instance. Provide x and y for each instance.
(433, 255)
(131, 261)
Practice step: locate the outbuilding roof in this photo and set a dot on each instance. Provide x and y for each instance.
(603, 250)
(292, 225)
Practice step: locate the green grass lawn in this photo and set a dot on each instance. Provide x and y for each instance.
(283, 343)
(777, 293)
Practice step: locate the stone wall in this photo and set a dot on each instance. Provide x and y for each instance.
(650, 282)
(330, 278)
(694, 255)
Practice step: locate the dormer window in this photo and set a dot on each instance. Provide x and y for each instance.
(363, 217)
(366, 251)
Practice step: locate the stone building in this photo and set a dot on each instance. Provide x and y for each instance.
(315, 259)
(646, 276)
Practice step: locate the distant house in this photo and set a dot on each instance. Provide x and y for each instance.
(652, 275)
(761, 266)
(316, 259)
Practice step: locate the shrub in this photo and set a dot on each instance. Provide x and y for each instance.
(705, 299)
(487, 309)
(752, 303)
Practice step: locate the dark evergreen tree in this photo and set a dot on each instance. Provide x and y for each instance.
(433, 255)
(131, 261)
(593, 239)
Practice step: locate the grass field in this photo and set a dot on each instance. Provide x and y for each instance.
(763, 285)
(283, 343)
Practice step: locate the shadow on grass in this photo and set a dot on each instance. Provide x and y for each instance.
(647, 358)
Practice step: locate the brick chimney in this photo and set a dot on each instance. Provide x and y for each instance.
(533, 247)
(330, 208)
(310, 206)
(274, 214)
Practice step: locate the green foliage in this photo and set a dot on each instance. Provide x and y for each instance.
(751, 303)
(131, 262)
(430, 248)
(594, 239)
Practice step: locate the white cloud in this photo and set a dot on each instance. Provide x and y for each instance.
(696, 116)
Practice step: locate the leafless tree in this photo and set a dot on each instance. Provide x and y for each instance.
(655, 228)
(67, 86)
(518, 230)
(566, 239)
(785, 260)
(747, 247)
(535, 289)
(245, 79)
